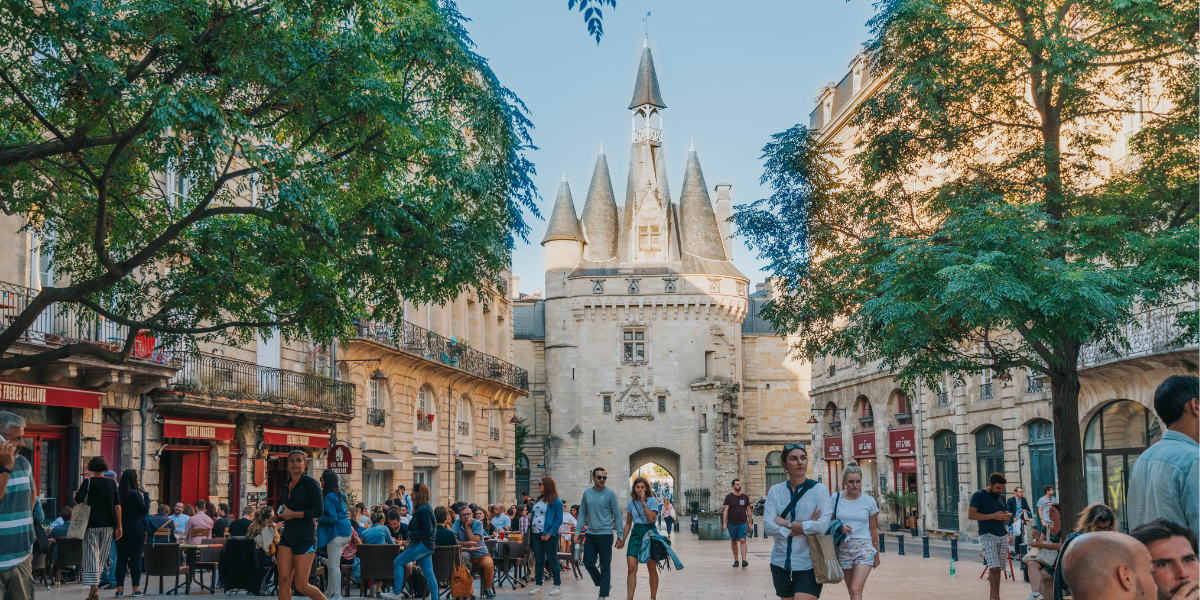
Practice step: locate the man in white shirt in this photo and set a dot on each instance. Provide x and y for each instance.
(791, 564)
(1043, 506)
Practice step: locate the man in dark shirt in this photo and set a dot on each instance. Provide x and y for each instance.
(987, 507)
(399, 530)
(223, 520)
(735, 519)
(442, 536)
(1018, 507)
(238, 527)
(162, 518)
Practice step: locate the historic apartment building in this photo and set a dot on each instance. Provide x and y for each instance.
(941, 444)
(427, 402)
(647, 347)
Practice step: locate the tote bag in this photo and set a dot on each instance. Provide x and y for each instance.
(80, 515)
(826, 567)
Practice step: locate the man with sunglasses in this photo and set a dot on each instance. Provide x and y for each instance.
(600, 513)
(791, 563)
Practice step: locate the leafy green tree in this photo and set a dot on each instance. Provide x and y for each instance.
(977, 224)
(592, 14)
(325, 159)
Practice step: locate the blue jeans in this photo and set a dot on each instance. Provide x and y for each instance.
(599, 546)
(545, 554)
(109, 574)
(423, 557)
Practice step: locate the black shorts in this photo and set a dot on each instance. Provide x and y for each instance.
(790, 583)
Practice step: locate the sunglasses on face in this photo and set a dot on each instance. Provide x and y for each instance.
(602, 477)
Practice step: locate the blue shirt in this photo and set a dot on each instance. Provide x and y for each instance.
(600, 513)
(460, 534)
(634, 508)
(502, 520)
(377, 534)
(180, 520)
(1165, 482)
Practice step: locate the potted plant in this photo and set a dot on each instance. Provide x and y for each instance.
(897, 502)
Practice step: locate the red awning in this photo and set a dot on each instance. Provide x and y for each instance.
(52, 395)
(280, 436)
(197, 429)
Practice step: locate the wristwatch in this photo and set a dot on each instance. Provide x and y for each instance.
(4, 469)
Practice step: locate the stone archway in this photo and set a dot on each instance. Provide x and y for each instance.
(662, 457)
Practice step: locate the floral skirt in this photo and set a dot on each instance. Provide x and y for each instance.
(856, 552)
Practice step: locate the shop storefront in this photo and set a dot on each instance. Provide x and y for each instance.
(51, 435)
(377, 468)
(902, 451)
(186, 459)
(833, 463)
(864, 453)
(281, 442)
(497, 477)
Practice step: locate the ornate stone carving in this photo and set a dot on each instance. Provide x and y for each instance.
(634, 402)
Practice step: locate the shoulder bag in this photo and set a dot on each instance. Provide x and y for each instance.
(462, 584)
(835, 526)
(80, 514)
(826, 566)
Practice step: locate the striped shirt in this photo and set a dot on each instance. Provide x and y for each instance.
(16, 516)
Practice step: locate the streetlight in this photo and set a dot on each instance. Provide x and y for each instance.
(378, 375)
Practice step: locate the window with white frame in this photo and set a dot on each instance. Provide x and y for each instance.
(464, 417)
(178, 187)
(633, 348)
(422, 401)
(649, 237)
(45, 266)
(373, 395)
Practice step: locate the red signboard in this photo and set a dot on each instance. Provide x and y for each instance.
(197, 429)
(833, 447)
(295, 437)
(901, 443)
(52, 395)
(340, 460)
(864, 445)
(906, 465)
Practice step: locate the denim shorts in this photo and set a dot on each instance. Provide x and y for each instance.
(738, 532)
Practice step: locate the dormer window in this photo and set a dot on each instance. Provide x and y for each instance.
(649, 237)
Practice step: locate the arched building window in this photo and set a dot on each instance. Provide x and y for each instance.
(1114, 438)
(989, 453)
(866, 414)
(425, 403)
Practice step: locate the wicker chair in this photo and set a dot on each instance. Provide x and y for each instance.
(445, 558)
(163, 560)
(41, 564)
(568, 558)
(375, 563)
(207, 561)
(165, 533)
(70, 554)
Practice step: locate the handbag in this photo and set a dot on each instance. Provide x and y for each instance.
(1042, 556)
(826, 567)
(80, 515)
(462, 585)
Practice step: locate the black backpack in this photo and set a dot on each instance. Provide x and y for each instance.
(658, 550)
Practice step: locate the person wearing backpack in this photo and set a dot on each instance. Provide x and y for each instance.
(795, 508)
(640, 515)
(859, 514)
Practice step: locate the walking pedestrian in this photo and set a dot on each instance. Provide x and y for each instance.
(735, 518)
(1018, 507)
(640, 513)
(1165, 480)
(16, 512)
(668, 514)
(135, 506)
(334, 531)
(795, 508)
(1041, 576)
(420, 544)
(599, 514)
(987, 507)
(1173, 553)
(104, 522)
(300, 505)
(546, 521)
(1096, 517)
(859, 515)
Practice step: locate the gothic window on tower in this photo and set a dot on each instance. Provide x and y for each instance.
(669, 285)
(649, 237)
(633, 346)
(607, 404)
(635, 286)
(597, 286)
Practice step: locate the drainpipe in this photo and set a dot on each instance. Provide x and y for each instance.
(450, 427)
(145, 409)
(917, 422)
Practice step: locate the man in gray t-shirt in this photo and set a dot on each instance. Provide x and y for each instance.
(1043, 505)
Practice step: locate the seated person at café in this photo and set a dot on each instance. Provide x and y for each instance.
(397, 527)
(179, 518)
(377, 533)
(162, 518)
(403, 510)
(469, 533)
(499, 519)
(200, 520)
(263, 532)
(480, 516)
(239, 526)
(443, 536)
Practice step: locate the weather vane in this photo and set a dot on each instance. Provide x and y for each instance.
(646, 20)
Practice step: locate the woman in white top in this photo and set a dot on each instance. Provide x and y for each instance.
(859, 515)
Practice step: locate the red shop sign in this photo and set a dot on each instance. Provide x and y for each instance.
(340, 459)
(833, 448)
(864, 445)
(279, 436)
(52, 395)
(901, 442)
(197, 429)
(906, 465)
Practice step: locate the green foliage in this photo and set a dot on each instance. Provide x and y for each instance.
(661, 471)
(384, 159)
(977, 224)
(592, 15)
(520, 430)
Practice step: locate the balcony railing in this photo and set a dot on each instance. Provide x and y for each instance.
(426, 344)
(867, 421)
(904, 418)
(62, 324)
(943, 399)
(494, 433)
(424, 425)
(985, 391)
(464, 428)
(1152, 331)
(233, 379)
(376, 416)
(1034, 385)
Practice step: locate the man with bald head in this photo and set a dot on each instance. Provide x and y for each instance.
(1109, 566)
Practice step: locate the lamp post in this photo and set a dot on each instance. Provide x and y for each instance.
(378, 375)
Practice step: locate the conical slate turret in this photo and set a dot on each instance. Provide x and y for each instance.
(600, 214)
(698, 222)
(563, 223)
(645, 87)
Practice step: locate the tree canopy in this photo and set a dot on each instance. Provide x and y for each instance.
(205, 169)
(980, 222)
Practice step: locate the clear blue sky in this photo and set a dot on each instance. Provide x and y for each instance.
(731, 73)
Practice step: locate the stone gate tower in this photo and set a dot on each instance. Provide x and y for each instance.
(643, 321)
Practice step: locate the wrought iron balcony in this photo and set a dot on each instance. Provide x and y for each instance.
(61, 324)
(1151, 332)
(376, 416)
(904, 418)
(244, 382)
(464, 428)
(867, 421)
(1034, 385)
(943, 399)
(424, 425)
(422, 343)
(985, 391)
(494, 433)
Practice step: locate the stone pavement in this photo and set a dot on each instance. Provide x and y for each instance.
(707, 574)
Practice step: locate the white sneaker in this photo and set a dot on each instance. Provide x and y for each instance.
(554, 592)
(534, 590)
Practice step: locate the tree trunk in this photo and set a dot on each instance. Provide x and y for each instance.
(1068, 447)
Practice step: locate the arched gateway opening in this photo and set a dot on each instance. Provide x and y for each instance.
(660, 466)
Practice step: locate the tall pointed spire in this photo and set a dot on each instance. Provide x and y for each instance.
(563, 223)
(645, 87)
(697, 221)
(600, 214)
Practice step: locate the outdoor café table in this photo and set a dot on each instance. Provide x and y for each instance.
(501, 551)
(192, 552)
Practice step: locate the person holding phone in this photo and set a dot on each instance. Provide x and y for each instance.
(299, 506)
(641, 512)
